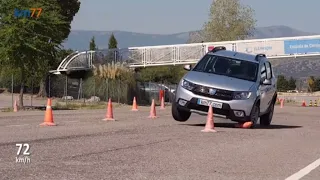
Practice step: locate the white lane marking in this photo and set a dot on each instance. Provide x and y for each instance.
(17, 125)
(298, 175)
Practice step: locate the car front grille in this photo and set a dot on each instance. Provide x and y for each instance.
(220, 93)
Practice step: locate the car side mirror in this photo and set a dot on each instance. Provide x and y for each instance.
(187, 67)
(266, 82)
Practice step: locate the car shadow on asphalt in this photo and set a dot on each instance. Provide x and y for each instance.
(232, 125)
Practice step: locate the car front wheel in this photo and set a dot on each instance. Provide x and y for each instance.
(178, 114)
(266, 119)
(254, 116)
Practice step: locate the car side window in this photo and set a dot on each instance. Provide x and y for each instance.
(269, 71)
(263, 72)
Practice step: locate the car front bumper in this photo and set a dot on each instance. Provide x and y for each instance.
(229, 108)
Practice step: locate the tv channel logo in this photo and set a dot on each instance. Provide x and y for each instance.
(27, 13)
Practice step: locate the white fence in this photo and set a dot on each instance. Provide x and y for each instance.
(190, 53)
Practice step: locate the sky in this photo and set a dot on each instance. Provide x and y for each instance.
(175, 16)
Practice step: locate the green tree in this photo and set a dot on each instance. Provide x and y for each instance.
(6, 74)
(50, 63)
(113, 43)
(311, 84)
(92, 45)
(292, 83)
(282, 83)
(317, 84)
(176, 73)
(113, 54)
(30, 44)
(67, 9)
(229, 20)
(59, 56)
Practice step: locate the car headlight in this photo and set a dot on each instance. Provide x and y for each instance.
(241, 95)
(187, 85)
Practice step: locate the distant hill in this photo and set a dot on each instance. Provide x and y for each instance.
(79, 40)
(301, 67)
(278, 31)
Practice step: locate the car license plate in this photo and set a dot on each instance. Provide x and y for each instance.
(214, 104)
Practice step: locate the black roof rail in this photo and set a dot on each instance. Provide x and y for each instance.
(218, 48)
(259, 55)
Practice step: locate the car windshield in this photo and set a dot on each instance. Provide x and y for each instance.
(230, 67)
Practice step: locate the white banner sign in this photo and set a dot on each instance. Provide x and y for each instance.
(270, 48)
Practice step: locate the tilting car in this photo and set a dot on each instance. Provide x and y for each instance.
(239, 86)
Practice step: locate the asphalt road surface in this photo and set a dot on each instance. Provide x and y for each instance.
(82, 146)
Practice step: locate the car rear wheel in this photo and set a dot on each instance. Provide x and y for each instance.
(266, 119)
(178, 114)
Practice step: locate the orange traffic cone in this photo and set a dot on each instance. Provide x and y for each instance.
(162, 103)
(48, 118)
(244, 125)
(210, 123)
(304, 104)
(134, 105)
(281, 103)
(15, 106)
(109, 114)
(153, 113)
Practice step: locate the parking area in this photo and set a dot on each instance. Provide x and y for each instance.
(82, 146)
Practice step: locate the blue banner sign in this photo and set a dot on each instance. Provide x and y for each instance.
(305, 46)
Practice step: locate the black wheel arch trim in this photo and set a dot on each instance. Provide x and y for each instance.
(275, 97)
(257, 99)
(255, 102)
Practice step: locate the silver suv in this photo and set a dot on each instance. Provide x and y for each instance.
(239, 86)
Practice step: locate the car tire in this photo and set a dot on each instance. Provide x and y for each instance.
(265, 120)
(178, 114)
(254, 115)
